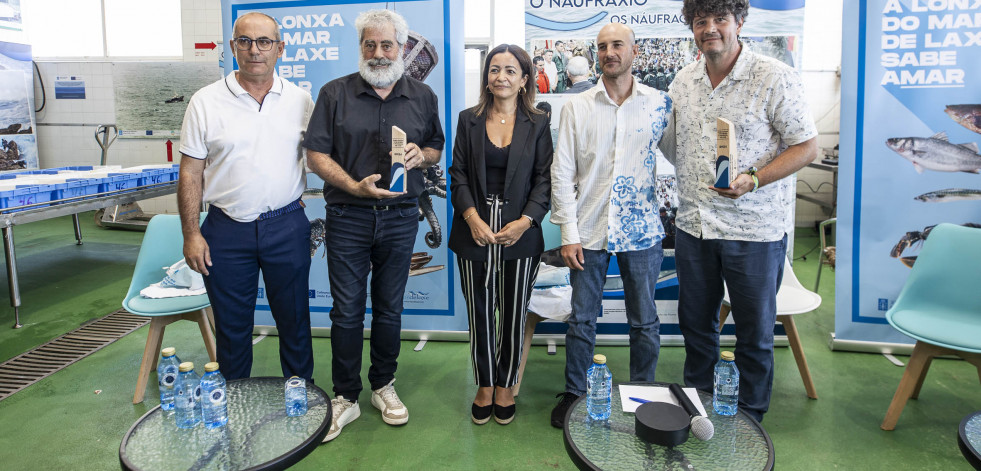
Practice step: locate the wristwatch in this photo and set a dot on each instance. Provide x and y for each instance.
(531, 220)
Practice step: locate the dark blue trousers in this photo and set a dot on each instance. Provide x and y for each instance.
(362, 241)
(639, 270)
(752, 271)
(280, 247)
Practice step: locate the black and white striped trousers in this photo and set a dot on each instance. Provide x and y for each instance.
(496, 341)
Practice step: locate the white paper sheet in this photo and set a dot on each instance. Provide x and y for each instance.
(656, 394)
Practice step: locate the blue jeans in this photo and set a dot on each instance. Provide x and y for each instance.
(359, 241)
(639, 270)
(752, 271)
(280, 247)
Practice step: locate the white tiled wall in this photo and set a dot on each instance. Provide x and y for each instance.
(823, 92)
(200, 23)
(66, 128)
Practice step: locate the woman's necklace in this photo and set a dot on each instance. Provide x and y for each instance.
(503, 117)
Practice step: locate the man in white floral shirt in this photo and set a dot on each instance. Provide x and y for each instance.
(736, 235)
(603, 199)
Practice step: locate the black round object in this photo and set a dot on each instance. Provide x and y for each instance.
(662, 423)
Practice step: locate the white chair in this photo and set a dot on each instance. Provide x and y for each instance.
(792, 299)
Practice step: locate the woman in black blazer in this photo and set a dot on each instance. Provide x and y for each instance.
(500, 183)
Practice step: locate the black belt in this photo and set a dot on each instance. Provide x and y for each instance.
(384, 207)
(281, 211)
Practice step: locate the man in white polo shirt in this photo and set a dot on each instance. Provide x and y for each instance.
(240, 146)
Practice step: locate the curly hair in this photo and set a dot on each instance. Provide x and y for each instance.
(692, 8)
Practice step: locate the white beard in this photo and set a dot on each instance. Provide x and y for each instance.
(381, 78)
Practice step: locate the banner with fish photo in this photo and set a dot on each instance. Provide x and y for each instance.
(910, 127)
(18, 130)
(557, 32)
(321, 44)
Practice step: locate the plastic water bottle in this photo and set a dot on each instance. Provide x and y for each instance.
(166, 375)
(214, 403)
(725, 397)
(187, 400)
(296, 396)
(599, 389)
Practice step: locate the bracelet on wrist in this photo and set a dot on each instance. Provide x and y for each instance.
(469, 215)
(756, 180)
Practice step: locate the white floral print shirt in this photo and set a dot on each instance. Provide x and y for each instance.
(603, 172)
(764, 99)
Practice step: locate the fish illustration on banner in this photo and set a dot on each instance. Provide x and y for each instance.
(968, 116)
(937, 153)
(950, 194)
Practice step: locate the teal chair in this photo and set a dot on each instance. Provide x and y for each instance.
(939, 306)
(163, 245)
(551, 233)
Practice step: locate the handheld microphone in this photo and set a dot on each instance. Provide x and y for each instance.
(701, 427)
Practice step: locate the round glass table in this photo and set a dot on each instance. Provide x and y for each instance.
(740, 443)
(259, 434)
(969, 439)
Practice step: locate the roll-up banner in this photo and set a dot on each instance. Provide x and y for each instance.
(910, 124)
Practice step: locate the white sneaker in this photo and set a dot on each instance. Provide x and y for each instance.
(387, 401)
(343, 412)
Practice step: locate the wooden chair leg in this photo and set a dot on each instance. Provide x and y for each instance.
(974, 359)
(795, 346)
(918, 363)
(919, 380)
(724, 314)
(531, 321)
(154, 339)
(201, 317)
(211, 318)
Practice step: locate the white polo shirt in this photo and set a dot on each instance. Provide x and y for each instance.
(254, 159)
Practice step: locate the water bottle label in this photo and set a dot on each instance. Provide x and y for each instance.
(167, 380)
(217, 396)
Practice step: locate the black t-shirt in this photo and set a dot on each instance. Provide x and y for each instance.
(353, 125)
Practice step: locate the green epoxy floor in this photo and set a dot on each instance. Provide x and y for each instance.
(76, 418)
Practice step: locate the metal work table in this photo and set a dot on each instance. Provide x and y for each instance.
(58, 208)
(833, 205)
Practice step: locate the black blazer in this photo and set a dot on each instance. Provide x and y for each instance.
(527, 187)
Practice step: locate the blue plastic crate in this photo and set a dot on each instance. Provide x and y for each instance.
(153, 176)
(73, 189)
(121, 182)
(25, 196)
(88, 186)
